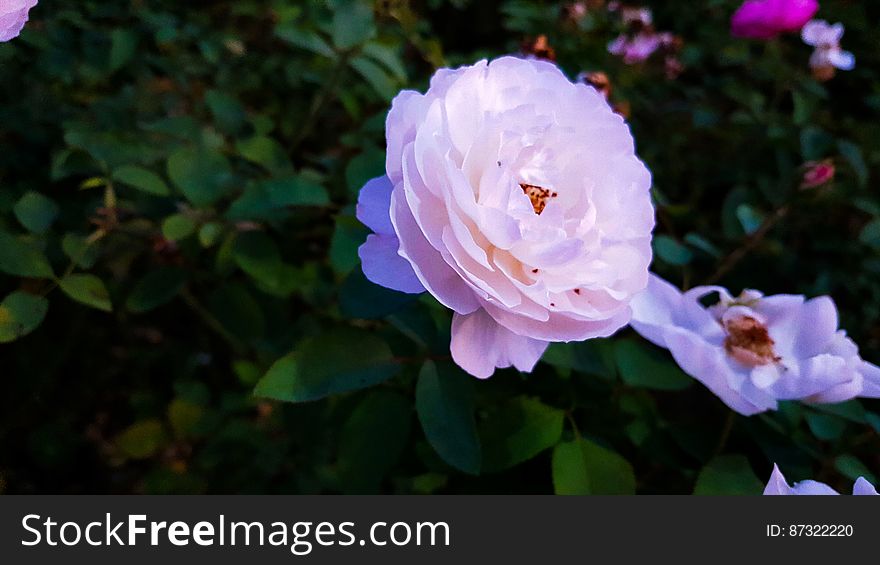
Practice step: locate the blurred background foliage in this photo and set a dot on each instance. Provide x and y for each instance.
(182, 306)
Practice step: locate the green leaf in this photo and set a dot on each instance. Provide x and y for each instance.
(518, 431)
(123, 46)
(79, 250)
(445, 406)
(384, 85)
(671, 251)
(870, 234)
(20, 314)
(228, 114)
(643, 366)
(825, 426)
(35, 212)
(210, 234)
(317, 368)
(266, 152)
(155, 289)
(88, 290)
(728, 475)
(235, 308)
(257, 255)
(296, 191)
(388, 57)
(142, 440)
(749, 218)
(592, 357)
(856, 159)
(22, 259)
(372, 441)
(365, 166)
(141, 179)
(851, 467)
(203, 175)
(359, 298)
(304, 39)
(178, 227)
(353, 23)
(583, 467)
(184, 417)
(348, 236)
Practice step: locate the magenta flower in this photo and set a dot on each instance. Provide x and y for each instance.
(515, 198)
(818, 173)
(778, 486)
(765, 19)
(13, 16)
(754, 350)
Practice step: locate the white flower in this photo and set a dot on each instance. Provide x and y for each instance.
(778, 486)
(828, 55)
(754, 350)
(515, 197)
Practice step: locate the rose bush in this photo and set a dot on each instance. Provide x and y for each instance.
(184, 307)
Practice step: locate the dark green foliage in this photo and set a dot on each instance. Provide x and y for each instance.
(182, 305)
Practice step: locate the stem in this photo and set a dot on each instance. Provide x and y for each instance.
(749, 245)
(322, 97)
(574, 426)
(725, 433)
(212, 322)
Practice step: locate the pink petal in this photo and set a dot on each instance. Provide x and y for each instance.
(479, 345)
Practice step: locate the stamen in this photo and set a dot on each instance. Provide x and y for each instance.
(538, 196)
(749, 342)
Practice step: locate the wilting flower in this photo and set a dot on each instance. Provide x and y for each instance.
(636, 48)
(640, 41)
(575, 11)
(13, 16)
(754, 350)
(539, 48)
(598, 80)
(516, 199)
(765, 19)
(828, 56)
(818, 173)
(777, 485)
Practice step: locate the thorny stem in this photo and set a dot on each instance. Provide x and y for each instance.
(749, 245)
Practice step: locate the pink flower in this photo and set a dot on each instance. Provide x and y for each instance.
(754, 350)
(828, 56)
(13, 16)
(513, 196)
(818, 173)
(778, 486)
(637, 48)
(765, 19)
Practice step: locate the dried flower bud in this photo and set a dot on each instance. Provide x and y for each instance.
(539, 48)
(598, 80)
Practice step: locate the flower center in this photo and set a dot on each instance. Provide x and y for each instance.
(749, 342)
(538, 196)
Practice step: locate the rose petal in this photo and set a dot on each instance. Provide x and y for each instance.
(480, 345)
(383, 265)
